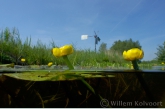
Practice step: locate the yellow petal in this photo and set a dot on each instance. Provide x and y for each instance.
(23, 60)
(62, 51)
(50, 64)
(66, 50)
(133, 54)
(141, 54)
(125, 55)
(56, 52)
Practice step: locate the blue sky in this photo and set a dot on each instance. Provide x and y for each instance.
(65, 21)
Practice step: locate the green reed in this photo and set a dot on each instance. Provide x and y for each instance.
(12, 48)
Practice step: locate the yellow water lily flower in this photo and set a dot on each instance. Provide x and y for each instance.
(62, 51)
(23, 60)
(162, 62)
(66, 50)
(50, 64)
(133, 54)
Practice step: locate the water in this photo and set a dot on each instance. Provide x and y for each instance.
(45, 67)
(111, 89)
(158, 68)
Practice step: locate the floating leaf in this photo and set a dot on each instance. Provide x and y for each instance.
(56, 76)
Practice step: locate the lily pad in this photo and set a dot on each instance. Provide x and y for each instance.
(55, 76)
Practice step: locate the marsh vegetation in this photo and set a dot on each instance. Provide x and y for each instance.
(123, 87)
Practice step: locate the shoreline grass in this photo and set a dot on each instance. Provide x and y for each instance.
(12, 49)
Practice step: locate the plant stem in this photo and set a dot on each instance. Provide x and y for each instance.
(135, 65)
(68, 62)
(142, 82)
(83, 81)
(93, 91)
(88, 86)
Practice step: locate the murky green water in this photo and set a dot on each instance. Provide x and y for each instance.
(124, 87)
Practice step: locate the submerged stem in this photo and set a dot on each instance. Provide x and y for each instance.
(82, 80)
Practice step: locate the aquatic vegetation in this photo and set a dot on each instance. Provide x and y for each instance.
(39, 54)
(50, 64)
(133, 54)
(112, 89)
(62, 51)
(22, 60)
(72, 83)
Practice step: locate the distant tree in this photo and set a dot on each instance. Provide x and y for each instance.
(103, 47)
(120, 46)
(161, 53)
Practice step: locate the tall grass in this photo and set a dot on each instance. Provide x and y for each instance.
(12, 49)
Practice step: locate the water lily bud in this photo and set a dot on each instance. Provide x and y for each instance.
(66, 50)
(133, 54)
(22, 60)
(62, 51)
(56, 52)
(50, 64)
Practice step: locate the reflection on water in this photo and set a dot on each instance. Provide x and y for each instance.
(158, 67)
